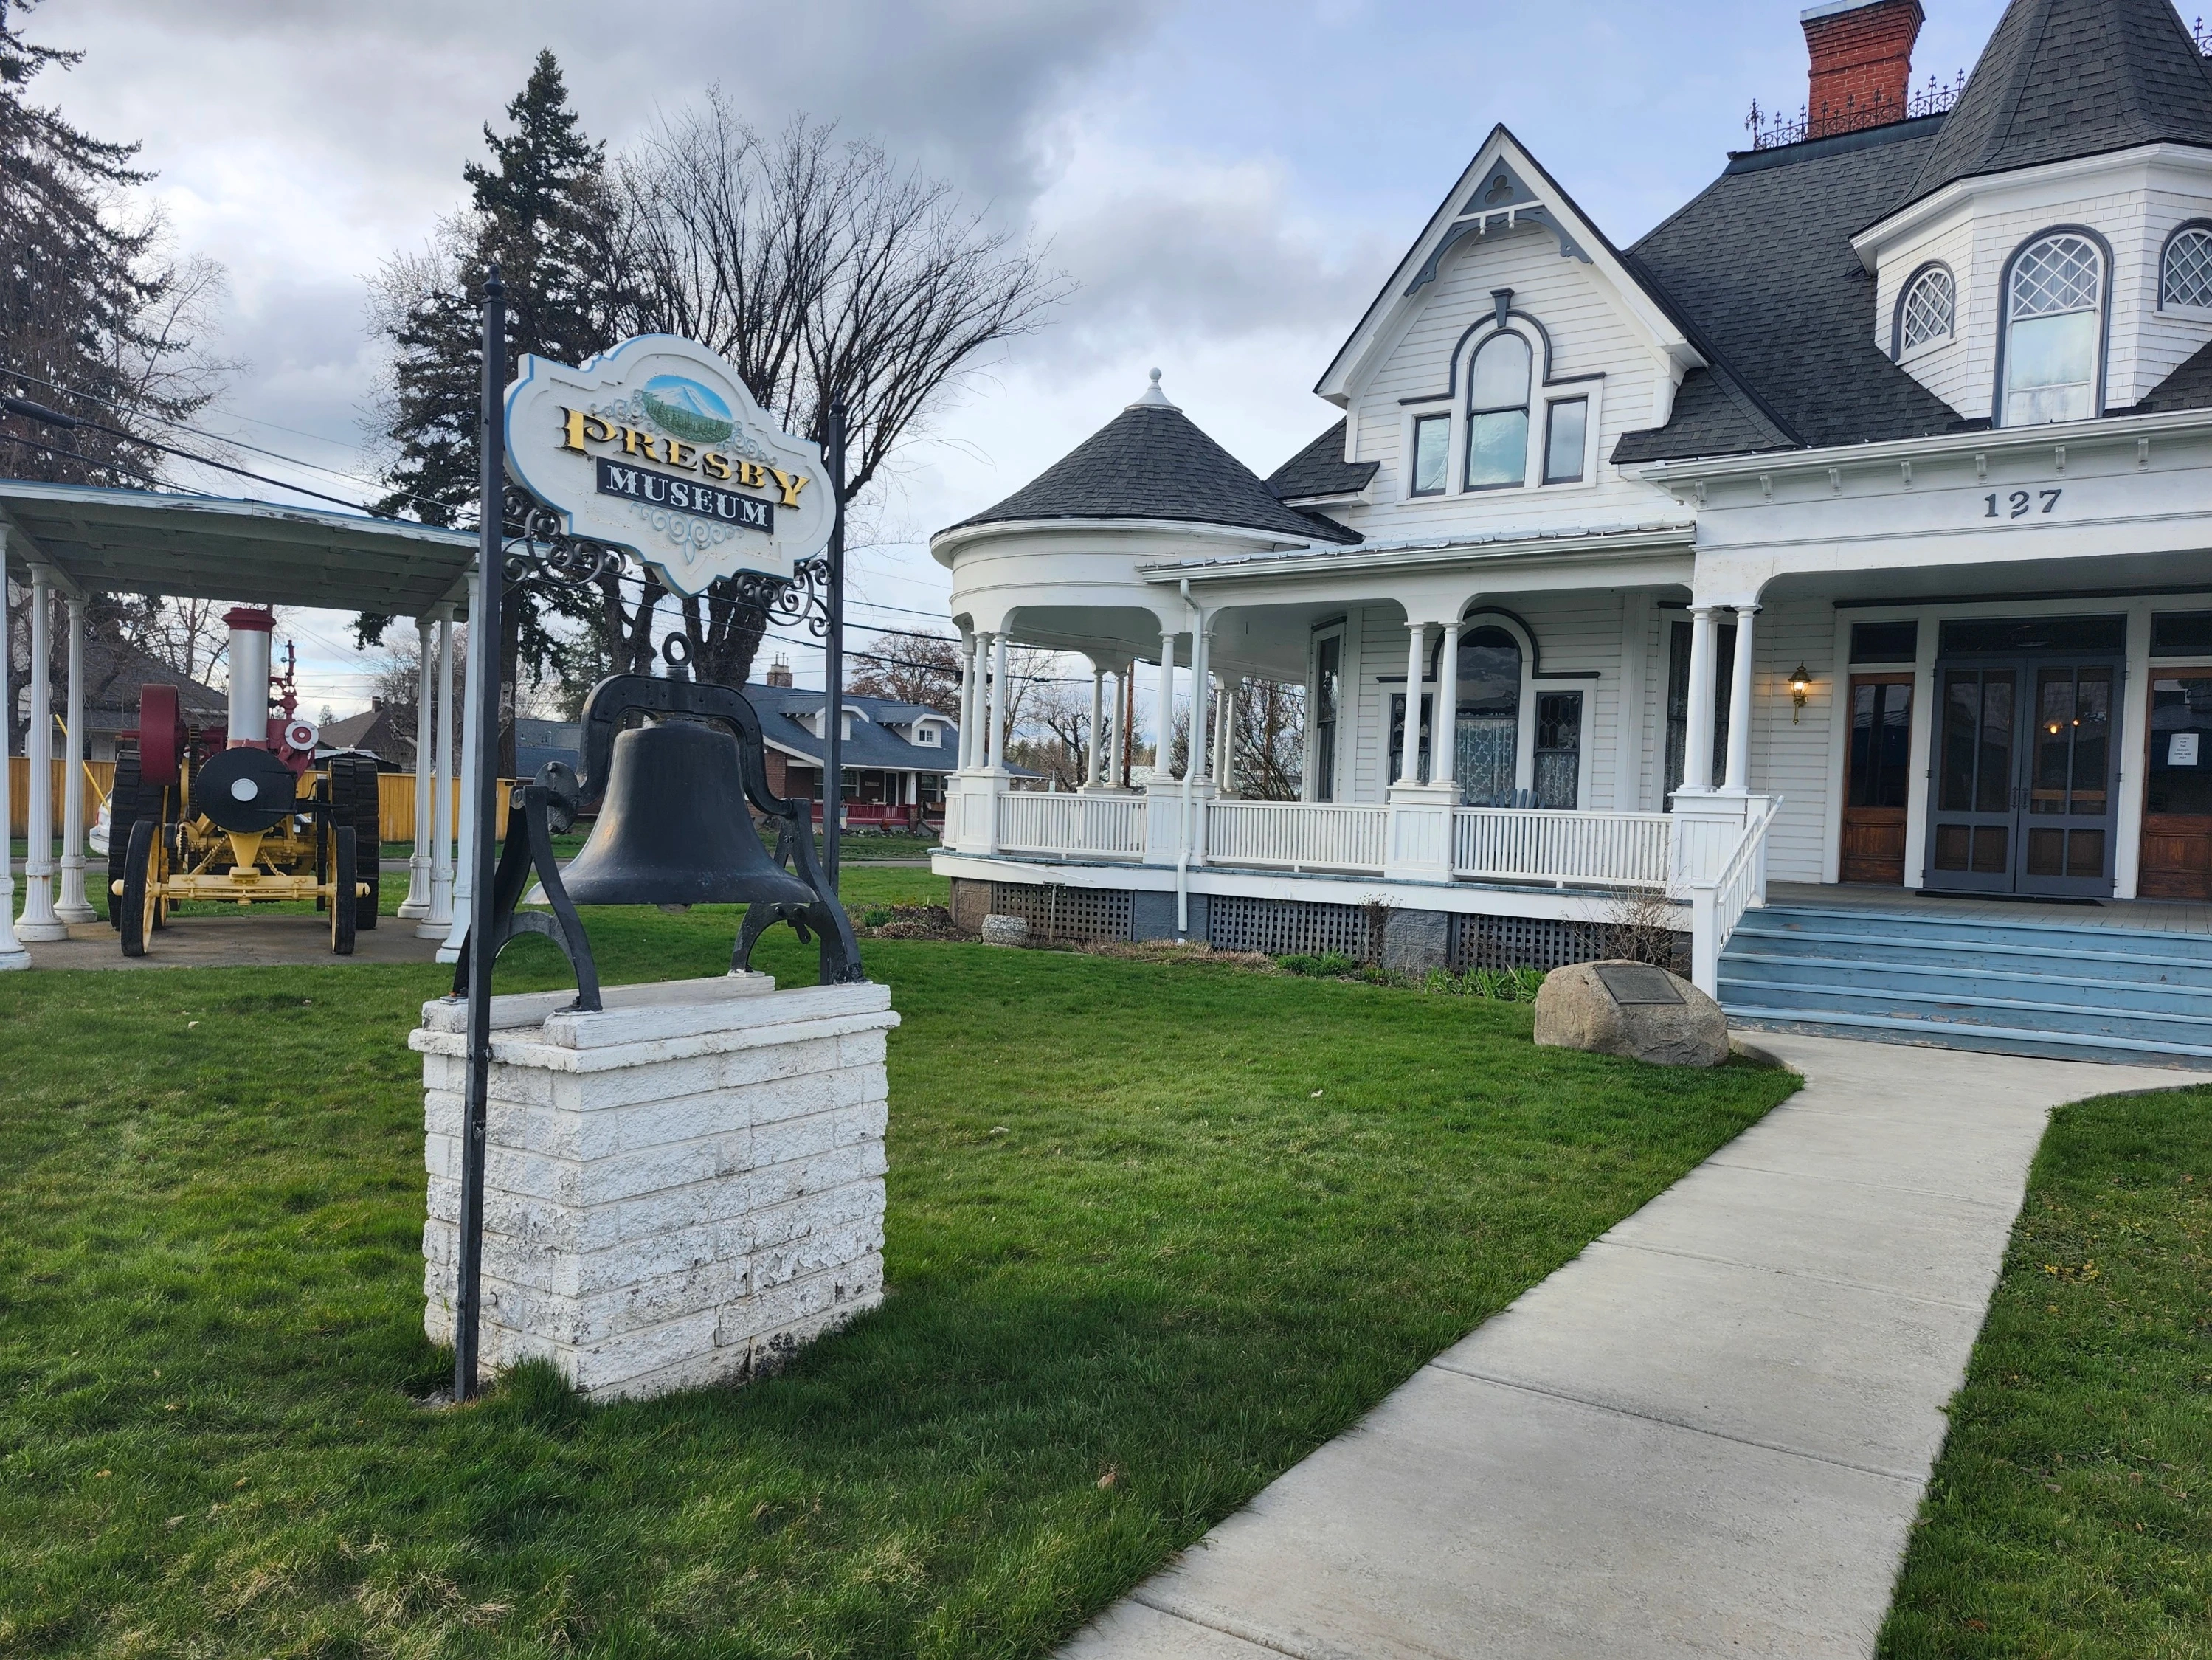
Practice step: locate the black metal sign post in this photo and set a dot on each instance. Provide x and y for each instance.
(483, 637)
(833, 655)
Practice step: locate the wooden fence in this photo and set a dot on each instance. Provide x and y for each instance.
(395, 793)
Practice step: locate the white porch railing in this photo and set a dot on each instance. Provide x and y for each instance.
(1606, 849)
(1075, 826)
(1717, 903)
(1299, 836)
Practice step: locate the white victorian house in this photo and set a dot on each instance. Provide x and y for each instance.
(1847, 540)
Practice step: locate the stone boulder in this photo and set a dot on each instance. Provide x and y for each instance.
(1631, 1009)
(1000, 930)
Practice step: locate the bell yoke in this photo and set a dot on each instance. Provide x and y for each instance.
(673, 828)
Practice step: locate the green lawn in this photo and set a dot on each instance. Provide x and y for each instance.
(1156, 1231)
(2071, 1514)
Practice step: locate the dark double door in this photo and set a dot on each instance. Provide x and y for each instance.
(2024, 796)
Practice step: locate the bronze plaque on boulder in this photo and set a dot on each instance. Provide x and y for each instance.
(1635, 983)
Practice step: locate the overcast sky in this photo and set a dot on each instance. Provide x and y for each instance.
(1228, 182)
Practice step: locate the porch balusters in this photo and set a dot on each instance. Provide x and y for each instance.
(1738, 780)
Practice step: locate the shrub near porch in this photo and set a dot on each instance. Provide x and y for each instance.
(1155, 1232)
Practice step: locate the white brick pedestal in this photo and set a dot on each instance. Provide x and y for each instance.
(679, 1189)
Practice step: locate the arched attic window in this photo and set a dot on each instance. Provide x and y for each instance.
(1498, 413)
(2184, 275)
(2054, 329)
(1928, 311)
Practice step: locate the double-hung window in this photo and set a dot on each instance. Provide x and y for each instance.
(1497, 415)
(2054, 315)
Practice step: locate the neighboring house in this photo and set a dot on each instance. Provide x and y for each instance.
(1849, 528)
(895, 755)
(114, 674)
(379, 731)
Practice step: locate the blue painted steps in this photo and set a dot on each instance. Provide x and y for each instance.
(2055, 989)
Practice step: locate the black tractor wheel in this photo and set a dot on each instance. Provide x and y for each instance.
(141, 886)
(342, 885)
(355, 800)
(122, 814)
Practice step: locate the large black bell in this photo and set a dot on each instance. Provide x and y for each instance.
(673, 830)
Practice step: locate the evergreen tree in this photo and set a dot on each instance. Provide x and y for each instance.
(540, 208)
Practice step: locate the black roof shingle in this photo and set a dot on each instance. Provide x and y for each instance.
(1320, 470)
(1152, 461)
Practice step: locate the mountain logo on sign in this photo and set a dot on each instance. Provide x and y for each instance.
(686, 408)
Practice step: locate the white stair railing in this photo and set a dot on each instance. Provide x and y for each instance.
(1606, 849)
(1298, 836)
(1717, 903)
(1072, 826)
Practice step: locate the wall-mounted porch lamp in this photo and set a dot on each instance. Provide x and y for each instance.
(1801, 688)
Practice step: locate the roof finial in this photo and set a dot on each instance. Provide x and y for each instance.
(1153, 397)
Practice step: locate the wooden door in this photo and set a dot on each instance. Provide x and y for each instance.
(2177, 835)
(1877, 778)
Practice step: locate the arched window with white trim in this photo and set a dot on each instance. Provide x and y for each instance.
(2186, 273)
(1927, 312)
(1498, 413)
(2054, 330)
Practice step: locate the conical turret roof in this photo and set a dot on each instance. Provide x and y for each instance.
(1152, 461)
(2063, 78)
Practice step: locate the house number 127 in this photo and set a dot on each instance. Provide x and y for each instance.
(2020, 503)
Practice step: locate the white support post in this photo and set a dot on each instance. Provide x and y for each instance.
(966, 758)
(1698, 741)
(1092, 765)
(1409, 747)
(72, 907)
(1738, 779)
(1225, 736)
(416, 905)
(1113, 730)
(438, 922)
(998, 733)
(474, 690)
(38, 921)
(1443, 741)
(12, 954)
(1164, 726)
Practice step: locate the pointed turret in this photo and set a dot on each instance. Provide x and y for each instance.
(2064, 78)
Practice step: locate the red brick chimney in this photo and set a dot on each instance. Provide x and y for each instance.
(1862, 53)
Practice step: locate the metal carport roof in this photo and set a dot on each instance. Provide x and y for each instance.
(213, 547)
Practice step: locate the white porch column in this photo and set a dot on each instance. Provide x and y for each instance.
(1113, 730)
(966, 705)
(1409, 748)
(72, 906)
(997, 734)
(1698, 741)
(1443, 742)
(12, 954)
(38, 921)
(416, 905)
(439, 921)
(1163, 715)
(1092, 766)
(1738, 779)
(1224, 736)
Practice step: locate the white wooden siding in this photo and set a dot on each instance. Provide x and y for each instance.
(1789, 758)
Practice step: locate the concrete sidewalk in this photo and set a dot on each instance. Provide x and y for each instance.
(1707, 1435)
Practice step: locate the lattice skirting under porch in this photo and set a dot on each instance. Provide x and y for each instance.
(1283, 928)
(1059, 913)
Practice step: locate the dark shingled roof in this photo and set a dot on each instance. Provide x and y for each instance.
(2189, 388)
(1760, 266)
(1151, 461)
(2062, 78)
(1319, 469)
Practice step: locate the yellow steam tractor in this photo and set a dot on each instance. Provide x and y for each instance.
(248, 816)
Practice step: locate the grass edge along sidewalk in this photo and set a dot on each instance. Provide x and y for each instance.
(2071, 1512)
(1155, 1232)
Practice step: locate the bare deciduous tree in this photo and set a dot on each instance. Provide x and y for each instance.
(825, 273)
(913, 668)
(1266, 738)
